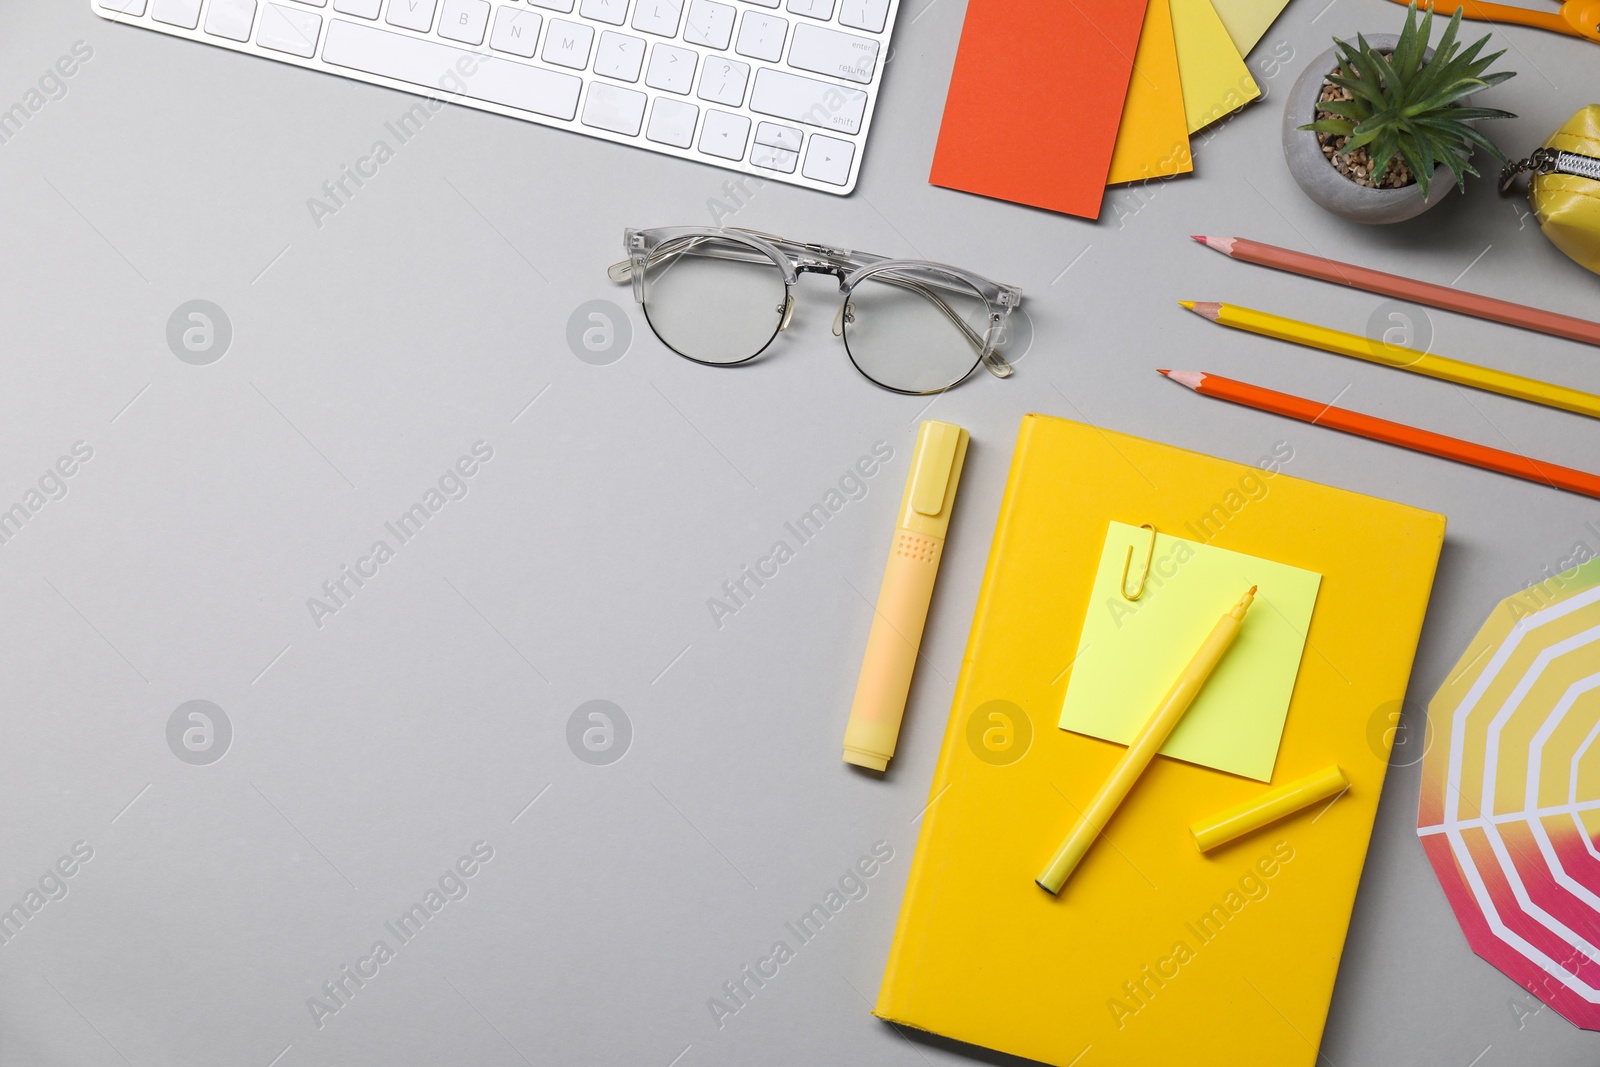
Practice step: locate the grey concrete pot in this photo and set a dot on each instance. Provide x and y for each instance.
(1317, 177)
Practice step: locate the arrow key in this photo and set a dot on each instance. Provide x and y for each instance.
(724, 134)
(828, 160)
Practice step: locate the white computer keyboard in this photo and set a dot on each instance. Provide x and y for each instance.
(779, 89)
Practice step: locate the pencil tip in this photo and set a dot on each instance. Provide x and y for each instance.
(1163, 370)
(1187, 304)
(1197, 237)
(1253, 590)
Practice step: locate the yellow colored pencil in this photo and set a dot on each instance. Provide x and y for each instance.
(1400, 357)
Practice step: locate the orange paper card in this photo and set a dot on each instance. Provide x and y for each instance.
(1035, 101)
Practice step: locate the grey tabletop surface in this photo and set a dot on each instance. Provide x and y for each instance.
(428, 721)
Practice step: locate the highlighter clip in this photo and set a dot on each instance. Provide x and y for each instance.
(1144, 571)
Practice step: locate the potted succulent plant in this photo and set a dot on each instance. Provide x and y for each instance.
(1379, 130)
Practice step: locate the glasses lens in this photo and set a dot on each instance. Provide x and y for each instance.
(713, 300)
(918, 331)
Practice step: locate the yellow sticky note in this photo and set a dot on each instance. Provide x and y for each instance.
(1130, 652)
(1153, 140)
(1215, 80)
(1247, 20)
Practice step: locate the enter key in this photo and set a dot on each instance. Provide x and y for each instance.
(839, 55)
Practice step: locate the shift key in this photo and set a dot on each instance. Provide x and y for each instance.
(789, 96)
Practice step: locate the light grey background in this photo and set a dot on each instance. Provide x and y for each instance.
(429, 313)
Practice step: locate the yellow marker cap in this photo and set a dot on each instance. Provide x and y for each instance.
(931, 485)
(1268, 807)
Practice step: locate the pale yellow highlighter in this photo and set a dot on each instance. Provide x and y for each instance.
(904, 597)
(1144, 748)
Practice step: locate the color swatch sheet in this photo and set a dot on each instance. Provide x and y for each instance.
(1154, 953)
(1216, 81)
(1130, 651)
(1035, 101)
(1247, 21)
(1510, 807)
(1153, 140)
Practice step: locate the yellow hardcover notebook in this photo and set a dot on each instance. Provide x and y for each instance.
(1154, 953)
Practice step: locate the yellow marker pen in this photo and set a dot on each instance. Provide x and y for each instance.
(903, 598)
(1145, 745)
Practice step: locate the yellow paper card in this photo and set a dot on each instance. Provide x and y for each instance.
(1247, 20)
(1215, 80)
(1131, 651)
(1153, 140)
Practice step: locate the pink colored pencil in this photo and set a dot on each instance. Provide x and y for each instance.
(1408, 289)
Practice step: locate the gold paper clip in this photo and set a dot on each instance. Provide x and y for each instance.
(1144, 572)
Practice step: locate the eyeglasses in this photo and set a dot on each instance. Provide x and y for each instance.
(720, 296)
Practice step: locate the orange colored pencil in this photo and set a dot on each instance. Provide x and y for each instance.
(1376, 281)
(1393, 433)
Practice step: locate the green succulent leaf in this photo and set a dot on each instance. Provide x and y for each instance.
(1349, 109)
(1414, 161)
(1337, 127)
(1382, 153)
(1460, 114)
(1444, 98)
(1457, 168)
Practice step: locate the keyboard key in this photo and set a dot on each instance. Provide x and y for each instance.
(185, 13)
(612, 11)
(817, 9)
(464, 20)
(364, 9)
(658, 16)
(229, 18)
(567, 44)
(724, 134)
(619, 56)
(672, 122)
(127, 7)
(611, 107)
(869, 15)
(839, 55)
(774, 158)
(709, 23)
(789, 96)
(425, 63)
(285, 29)
(516, 31)
(411, 14)
(765, 3)
(828, 159)
(761, 36)
(722, 81)
(315, 3)
(671, 68)
(563, 6)
(774, 135)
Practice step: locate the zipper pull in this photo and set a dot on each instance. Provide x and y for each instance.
(1543, 161)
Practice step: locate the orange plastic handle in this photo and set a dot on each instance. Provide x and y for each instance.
(1577, 18)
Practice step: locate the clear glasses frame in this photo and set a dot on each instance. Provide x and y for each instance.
(649, 249)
